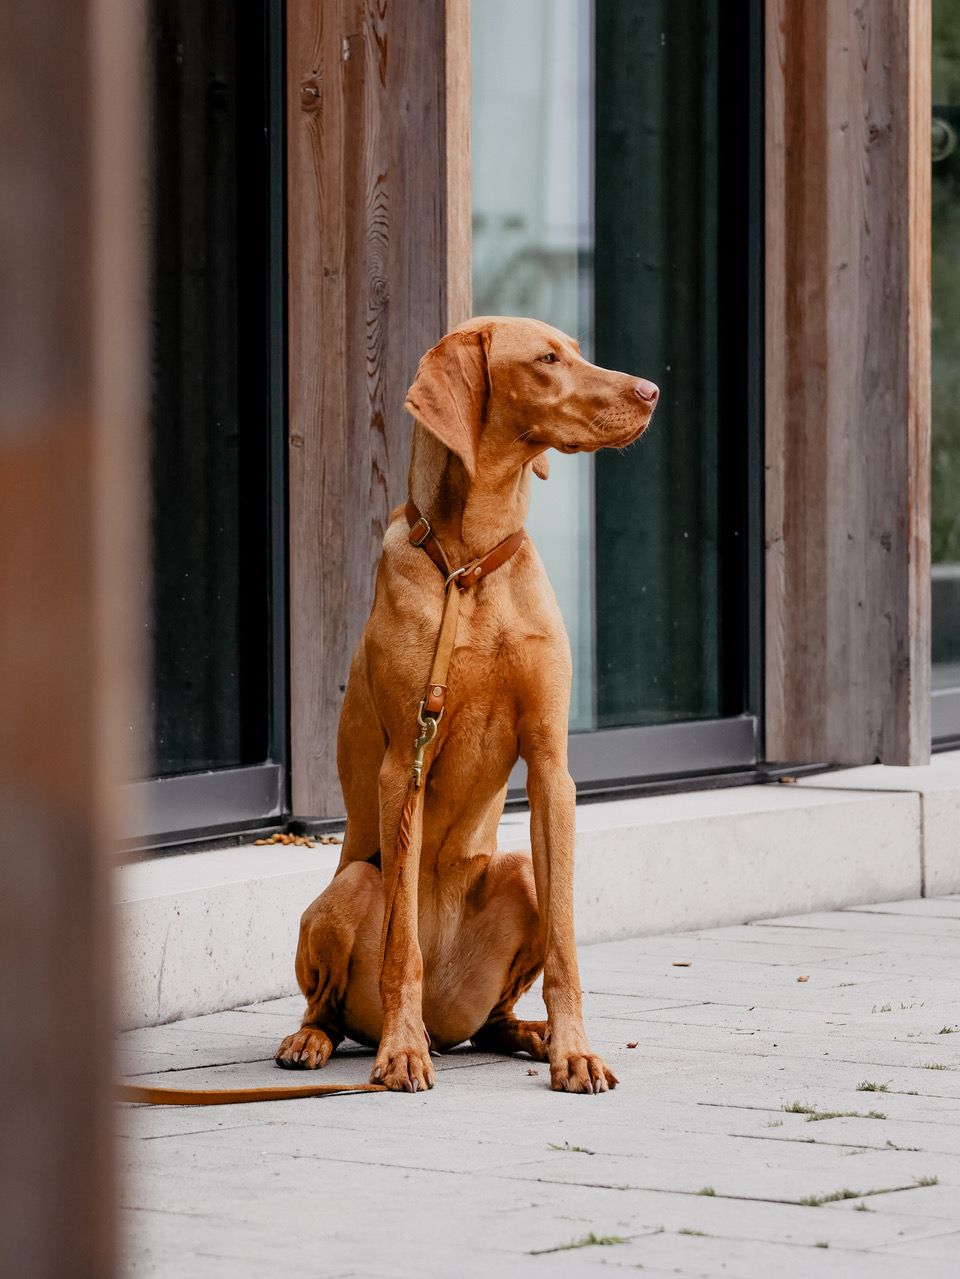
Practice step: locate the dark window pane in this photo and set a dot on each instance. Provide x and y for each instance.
(210, 421)
(945, 452)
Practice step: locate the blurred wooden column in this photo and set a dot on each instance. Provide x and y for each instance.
(848, 381)
(71, 364)
(378, 185)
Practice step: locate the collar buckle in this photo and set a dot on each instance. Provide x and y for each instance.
(427, 531)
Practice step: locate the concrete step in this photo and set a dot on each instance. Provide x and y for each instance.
(204, 931)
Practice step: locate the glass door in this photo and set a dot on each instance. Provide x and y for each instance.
(216, 630)
(616, 189)
(945, 443)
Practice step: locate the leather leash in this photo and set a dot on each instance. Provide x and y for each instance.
(422, 535)
(231, 1096)
(431, 708)
(429, 714)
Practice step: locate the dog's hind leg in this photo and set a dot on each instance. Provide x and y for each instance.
(507, 1034)
(503, 1032)
(344, 918)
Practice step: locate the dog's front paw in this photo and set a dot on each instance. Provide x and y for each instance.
(580, 1072)
(306, 1049)
(403, 1069)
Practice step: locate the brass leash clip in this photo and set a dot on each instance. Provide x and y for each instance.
(428, 725)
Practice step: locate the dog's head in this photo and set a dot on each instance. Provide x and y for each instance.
(512, 388)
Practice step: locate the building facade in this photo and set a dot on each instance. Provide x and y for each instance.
(734, 201)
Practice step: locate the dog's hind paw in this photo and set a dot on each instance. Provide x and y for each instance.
(306, 1049)
(581, 1072)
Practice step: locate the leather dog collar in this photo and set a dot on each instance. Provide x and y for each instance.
(422, 535)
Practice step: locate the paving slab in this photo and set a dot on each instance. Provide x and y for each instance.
(713, 1157)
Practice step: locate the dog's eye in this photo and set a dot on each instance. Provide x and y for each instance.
(549, 358)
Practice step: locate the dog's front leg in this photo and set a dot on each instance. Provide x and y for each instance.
(403, 1058)
(552, 795)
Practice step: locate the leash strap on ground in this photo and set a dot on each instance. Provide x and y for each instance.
(232, 1096)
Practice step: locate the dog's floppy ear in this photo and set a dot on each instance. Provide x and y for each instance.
(451, 391)
(541, 466)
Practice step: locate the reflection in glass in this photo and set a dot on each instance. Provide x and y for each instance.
(600, 132)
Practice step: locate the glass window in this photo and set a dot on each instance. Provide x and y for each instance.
(945, 444)
(611, 149)
(211, 626)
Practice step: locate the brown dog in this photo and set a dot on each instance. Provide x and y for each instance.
(470, 929)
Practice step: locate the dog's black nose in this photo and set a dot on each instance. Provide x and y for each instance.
(649, 392)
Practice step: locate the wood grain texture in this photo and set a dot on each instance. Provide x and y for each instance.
(378, 226)
(72, 352)
(457, 108)
(847, 381)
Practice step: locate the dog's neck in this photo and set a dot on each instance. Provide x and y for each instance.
(469, 517)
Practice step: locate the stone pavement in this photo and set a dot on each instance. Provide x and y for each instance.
(790, 1106)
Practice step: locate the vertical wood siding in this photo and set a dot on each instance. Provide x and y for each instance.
(378, 270)
(847, 381)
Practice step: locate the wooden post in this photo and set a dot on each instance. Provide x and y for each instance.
(378, 269)
(847, 381)
(71, 352)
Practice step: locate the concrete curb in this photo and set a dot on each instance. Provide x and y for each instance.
(201, 932)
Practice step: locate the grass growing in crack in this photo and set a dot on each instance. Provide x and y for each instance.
(814, 1201)
(587, 1241)
(813, 1115)
(686, 1230)
(706, 1190)
(865, 1085)
(947, 1030)
(932, 1065)
(883, 1008)
(573, 1150)
(774, 1123)
(821, 1245)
